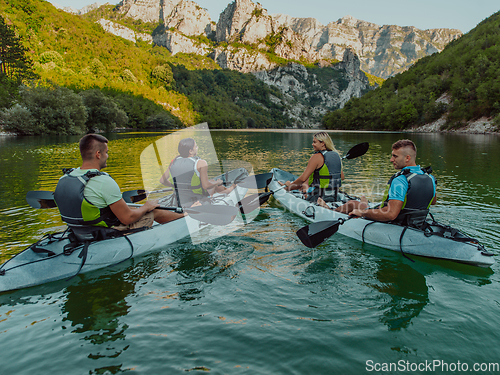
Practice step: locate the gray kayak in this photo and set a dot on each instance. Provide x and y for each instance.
(52, 258)
(439, 241)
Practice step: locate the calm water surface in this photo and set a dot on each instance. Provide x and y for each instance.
(257, 301)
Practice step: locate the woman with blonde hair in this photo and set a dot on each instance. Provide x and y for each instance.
(323, 174)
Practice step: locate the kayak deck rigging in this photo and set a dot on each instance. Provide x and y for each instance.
(434, 240)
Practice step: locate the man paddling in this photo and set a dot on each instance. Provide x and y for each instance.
(88, 197)
(411, 188)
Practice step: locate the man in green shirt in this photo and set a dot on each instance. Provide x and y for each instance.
(101, 203)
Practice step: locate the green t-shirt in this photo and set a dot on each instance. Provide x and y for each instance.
(102, 190)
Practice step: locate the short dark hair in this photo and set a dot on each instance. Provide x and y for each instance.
(404, 143)
(89, 143)
(185, 145)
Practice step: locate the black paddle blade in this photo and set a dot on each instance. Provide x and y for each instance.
(252, 202)
(133, 196)
(41, 199)
(258, 181)
(313, 234)
(357, 151)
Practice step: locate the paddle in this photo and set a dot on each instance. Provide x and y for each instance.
(313, 234)
(357, 151)
(215, 215)
(41, 199)
(253, 201)
(133, 196)
(212, 214)
(257, 181)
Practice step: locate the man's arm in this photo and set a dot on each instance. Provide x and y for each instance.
(386, 213)
(126, 215)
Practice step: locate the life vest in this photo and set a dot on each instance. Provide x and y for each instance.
(187, 183)
(74, 208)
(420, 191)
(327, 178)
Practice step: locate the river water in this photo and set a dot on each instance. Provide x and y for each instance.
(256, 301)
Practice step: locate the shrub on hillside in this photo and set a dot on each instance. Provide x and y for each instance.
(163, 74)
(102, 111)
(51, 56)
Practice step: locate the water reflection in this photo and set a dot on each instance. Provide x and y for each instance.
(407, 291)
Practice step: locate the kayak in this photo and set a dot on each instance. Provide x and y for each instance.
(52, 259)
(438, 241)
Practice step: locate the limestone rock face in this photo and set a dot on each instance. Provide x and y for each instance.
(309, 97)
(146, 10)
(243, 21)
(383, 50)
(176, 42)
(189, 19)
(241, 59)
(124, 32)
(84, 10)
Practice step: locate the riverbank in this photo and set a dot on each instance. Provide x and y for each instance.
(480, 126)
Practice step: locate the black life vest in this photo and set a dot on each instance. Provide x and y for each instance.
(327, 179)
(74, 208)
(420, 193)
(187, 184)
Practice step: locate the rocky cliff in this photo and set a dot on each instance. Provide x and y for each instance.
(247, 39)
(383, 50)
(309, 93)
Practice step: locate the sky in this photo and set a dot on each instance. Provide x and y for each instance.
(423, 14)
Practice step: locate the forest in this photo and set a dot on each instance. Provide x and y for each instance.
(63, 74)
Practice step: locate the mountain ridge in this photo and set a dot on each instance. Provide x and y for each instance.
(383, 50)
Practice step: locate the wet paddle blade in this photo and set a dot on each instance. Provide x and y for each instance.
(357, 151)
(258, 181)
(41, 199)
(252, 202)
(314, 234)
(133, 196)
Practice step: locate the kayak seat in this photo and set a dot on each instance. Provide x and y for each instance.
(412, 218)
(90, 233)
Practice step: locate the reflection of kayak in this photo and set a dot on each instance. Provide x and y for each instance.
(440, 241)
(46, 260)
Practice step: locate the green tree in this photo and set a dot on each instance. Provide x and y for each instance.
(163, 74)
(18, 119)
(13, 60)
(102, 111)
(56, 110)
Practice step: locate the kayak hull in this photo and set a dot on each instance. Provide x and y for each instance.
(389, 236)
(29, 268)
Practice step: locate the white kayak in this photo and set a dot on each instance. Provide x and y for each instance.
(47, 261)
(439, 241)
